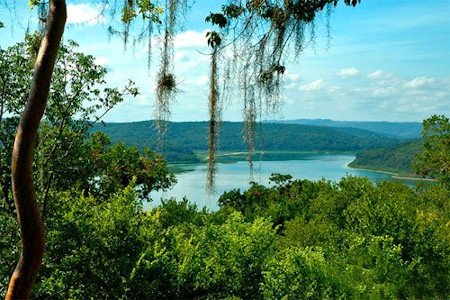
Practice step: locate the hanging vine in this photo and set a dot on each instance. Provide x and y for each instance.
(214, 109)
(166, 81)
(262, 34)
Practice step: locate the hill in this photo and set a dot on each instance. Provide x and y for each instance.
(397, 159)
(406, 130)
(182, 138)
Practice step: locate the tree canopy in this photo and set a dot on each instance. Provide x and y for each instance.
(67, 158)
(434, 161)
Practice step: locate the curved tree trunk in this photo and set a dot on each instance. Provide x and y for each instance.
(31, 225)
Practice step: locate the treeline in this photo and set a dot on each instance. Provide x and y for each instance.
(398, 159)
(298, 239)
(185, 137)
(407, 130)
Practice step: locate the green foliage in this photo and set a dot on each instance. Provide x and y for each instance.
(429, 156)
(144, 8)
(384, 241)
(397, 159)
(434, 161)
(298, 239)
(33, 3)
(79, 178)
(78, 98)
(405, 130)
(9, 247)
(92, 243)
(118, 164)
(209, 261)
(301, 274)
(217, 19)
(97, 167)
(214, 39)
(182, 138)
(16, 74)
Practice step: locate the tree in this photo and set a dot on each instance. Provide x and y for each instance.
(31, 226)
(78, 98)
(279, 23)
(434, 161)
(68, 159)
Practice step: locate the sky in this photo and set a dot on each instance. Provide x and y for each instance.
(386, 61)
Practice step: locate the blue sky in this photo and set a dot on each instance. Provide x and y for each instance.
(387, 60)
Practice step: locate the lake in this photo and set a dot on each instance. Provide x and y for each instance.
(192, 183)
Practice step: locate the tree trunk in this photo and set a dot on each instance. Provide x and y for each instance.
(31, 225)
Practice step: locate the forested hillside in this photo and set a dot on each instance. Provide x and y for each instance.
(397, 159)
(184, 137)
(397, 129)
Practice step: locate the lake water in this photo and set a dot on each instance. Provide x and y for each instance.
(191, 184)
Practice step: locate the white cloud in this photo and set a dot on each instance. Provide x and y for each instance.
(143, 100)
(190, 38)
(312, 86)
(420, 82)
(389, 97)
(379, 74)
(101, 60)
(347, 72)
(84, 13)
(202, 80)
(292, 76)
(383, 91)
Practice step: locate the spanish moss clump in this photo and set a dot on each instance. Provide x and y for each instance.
(166, 84)
(264, 35)
(250, 114)
(165, 93)
(215, 109)
(261, 34)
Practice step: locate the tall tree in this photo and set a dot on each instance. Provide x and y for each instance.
(31, 226)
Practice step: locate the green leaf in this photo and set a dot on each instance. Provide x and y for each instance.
(33, 3)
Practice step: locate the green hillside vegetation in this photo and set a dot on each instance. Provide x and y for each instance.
(407, 130)
(299, 239)
(183, 138)
(397, 159)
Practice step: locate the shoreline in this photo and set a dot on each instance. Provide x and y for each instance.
(373, 170)
(394, 175)
(183, 168)
(415, 178)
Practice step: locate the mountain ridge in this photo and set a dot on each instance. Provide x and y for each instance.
(405, 130)
(186, 137)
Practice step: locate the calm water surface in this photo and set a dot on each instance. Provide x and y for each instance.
(191, 184)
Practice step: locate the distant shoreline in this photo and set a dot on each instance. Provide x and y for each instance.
(415, 178)
(393, 174)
